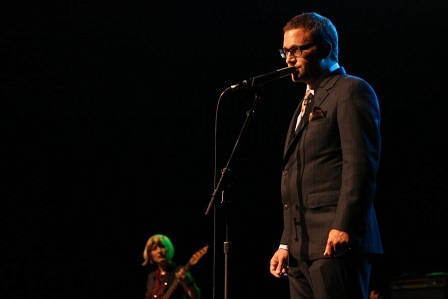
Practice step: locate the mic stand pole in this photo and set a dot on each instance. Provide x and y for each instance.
(220, 187)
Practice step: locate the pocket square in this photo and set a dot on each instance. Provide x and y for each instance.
(316, 113)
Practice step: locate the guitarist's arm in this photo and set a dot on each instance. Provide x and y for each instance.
(188, 283)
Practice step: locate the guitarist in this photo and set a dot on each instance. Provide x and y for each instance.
(166, 279)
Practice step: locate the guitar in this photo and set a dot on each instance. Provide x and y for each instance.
(193, 260)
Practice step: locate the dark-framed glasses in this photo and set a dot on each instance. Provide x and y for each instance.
(295, 51)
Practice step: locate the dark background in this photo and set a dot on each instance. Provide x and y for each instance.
(108, 137)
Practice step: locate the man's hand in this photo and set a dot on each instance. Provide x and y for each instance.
(279, 263)
(338, 243)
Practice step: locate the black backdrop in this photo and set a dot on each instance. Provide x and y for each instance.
(109, 137)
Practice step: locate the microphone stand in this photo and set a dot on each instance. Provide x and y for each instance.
(221, 188)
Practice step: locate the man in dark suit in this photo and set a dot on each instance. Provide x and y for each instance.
(330, 164)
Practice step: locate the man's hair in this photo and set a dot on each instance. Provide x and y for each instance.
(321, 30)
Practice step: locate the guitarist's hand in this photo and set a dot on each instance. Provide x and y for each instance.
(182, 275)
(279, 263)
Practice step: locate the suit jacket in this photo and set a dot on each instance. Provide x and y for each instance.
(330, 166)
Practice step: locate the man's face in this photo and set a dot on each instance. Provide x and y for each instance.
(302, 54)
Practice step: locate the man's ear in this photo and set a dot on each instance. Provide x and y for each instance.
(325, 50)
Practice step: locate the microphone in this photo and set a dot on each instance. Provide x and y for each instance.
(259, 80)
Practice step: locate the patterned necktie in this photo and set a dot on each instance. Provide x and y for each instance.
(306, 100)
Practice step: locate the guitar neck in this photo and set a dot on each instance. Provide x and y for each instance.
(193, 260)
(175, 283)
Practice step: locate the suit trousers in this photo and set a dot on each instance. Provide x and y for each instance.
(344, 277)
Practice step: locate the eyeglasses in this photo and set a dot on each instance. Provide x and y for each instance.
(295, 51)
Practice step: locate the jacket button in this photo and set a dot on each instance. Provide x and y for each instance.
(285, 206)
(285, 172)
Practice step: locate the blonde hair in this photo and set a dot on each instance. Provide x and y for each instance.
(153, 241)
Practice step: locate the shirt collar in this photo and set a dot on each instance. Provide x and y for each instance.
(333, 67)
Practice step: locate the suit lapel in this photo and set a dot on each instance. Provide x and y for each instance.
(294, 135)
